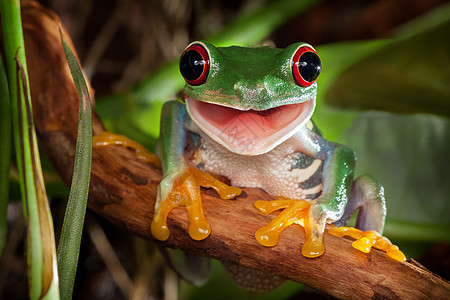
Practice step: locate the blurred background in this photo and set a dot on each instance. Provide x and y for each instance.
(384, 91)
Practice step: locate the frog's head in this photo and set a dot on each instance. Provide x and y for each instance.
(250, 100)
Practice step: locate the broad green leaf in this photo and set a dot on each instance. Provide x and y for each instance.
(70, 240)
(41, 254)
(409, 156)
(250, 29)
(335, 59)
(410, 74)
(5, 154)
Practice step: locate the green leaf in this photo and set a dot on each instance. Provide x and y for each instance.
(69, 243)
(41, 240)
(410, 74)
(250, 29)
(41, 254)
(335, 59)
(409, 156)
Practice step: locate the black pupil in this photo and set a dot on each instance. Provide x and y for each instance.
(309, 66)
(191, 65)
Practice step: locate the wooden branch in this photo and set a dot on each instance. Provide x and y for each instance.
(123, 190)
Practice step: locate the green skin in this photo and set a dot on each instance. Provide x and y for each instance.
(249, 68)
(259, 79)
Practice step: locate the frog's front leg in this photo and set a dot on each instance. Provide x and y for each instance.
(337, 176)
(182, 181)
(182, 188)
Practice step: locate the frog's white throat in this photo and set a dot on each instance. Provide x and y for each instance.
(250, 132)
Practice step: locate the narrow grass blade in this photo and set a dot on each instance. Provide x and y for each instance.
(69, 244)
(41, 253)
(38, 209)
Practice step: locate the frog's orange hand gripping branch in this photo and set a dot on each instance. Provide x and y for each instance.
(297, 211)
(185, 191)
(365, 240)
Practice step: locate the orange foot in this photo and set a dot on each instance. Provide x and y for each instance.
(107, 138)
(295, 211)
(368, 239)
(183, 189)
(179, 189)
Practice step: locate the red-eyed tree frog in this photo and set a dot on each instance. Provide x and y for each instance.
(247, 116)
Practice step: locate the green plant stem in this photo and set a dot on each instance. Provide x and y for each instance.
(13, 41)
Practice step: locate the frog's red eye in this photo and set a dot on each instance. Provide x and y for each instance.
(194, 64)
(306, 66)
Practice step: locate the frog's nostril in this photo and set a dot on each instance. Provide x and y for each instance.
(246, 89)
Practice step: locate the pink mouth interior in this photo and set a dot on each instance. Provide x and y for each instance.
(249, 132)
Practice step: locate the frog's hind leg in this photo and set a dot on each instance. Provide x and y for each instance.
(367, 196)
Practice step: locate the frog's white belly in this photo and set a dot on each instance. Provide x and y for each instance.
(280, 172)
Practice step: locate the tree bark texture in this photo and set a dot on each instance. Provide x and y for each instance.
(123, 190)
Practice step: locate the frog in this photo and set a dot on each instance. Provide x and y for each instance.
(246, 115)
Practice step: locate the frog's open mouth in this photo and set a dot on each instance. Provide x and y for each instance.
(249, 132)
